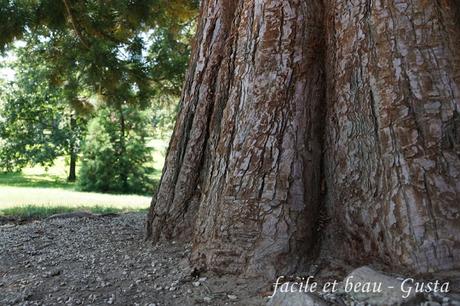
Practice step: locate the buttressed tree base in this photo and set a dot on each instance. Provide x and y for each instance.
(298, 112)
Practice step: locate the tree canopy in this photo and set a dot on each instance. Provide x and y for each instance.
(37, 123)
(119, 50)
(83, 55)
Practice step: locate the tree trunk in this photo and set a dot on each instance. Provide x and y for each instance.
(72, 167)
(122, 150)
(293, 107)
(393, 167)
(73, 154)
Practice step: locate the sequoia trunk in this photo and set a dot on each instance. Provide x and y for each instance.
(247, 171)
(242, 175)
(393, 128)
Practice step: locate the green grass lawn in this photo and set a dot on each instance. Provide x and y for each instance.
(23, 196)
(39, 192)
(36, 180)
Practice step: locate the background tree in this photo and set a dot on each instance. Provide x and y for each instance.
(105, 43)
(95, 51)
(37, 124)
(115, 156)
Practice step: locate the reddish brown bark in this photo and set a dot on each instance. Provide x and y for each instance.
(243, 170)
(393, 167)
(268, 81)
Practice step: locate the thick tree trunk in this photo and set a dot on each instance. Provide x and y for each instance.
(268, 81)
(393, 167)
(242, 173)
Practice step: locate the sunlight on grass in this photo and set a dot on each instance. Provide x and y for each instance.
(39, 181)
(58, 170)
(53, 177)
(23, 196)
(159, 147)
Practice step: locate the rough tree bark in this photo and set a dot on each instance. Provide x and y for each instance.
(294, 106)
(393, 167)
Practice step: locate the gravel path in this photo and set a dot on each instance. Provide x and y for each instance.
(104, 260)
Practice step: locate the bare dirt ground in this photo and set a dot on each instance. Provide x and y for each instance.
(105, 260)
(102, 260)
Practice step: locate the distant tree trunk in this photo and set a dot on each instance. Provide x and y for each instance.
(72, 167)
(73, 154)
(294, 107)
(122, 157)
